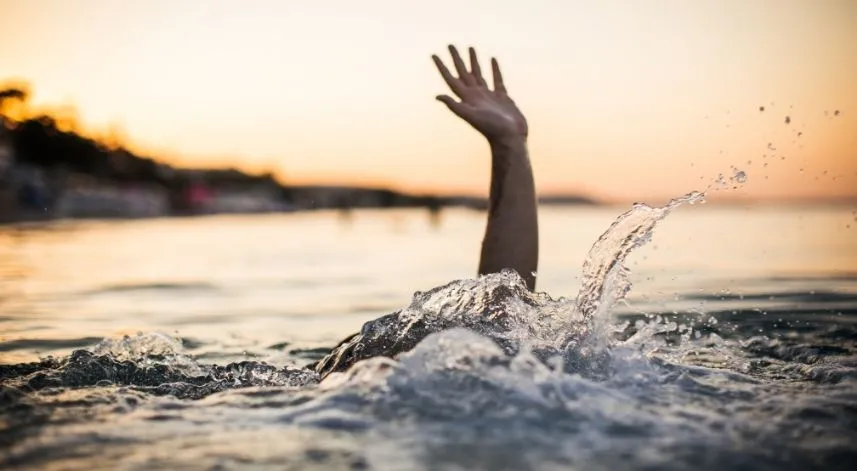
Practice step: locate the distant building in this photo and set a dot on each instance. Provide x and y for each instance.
(197, 197)
(216, 192)
(7, 155)
(85, 197)
(8, 190)
(339, 197)
(245, 201)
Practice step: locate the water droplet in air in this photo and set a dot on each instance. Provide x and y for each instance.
(788, 119)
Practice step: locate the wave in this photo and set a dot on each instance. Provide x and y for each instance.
(159, 286)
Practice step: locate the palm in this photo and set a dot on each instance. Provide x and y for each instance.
(491, 112)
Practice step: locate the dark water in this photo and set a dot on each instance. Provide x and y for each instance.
(736, 348)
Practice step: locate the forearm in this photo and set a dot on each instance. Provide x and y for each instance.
(512, 235)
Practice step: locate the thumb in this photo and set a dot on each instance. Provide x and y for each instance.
(454, 106)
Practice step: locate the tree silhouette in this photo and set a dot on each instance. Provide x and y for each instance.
(12, 99)
(50, 140)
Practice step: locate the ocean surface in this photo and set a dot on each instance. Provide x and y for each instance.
(181, 343)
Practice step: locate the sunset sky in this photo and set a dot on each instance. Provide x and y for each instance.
(626, 99)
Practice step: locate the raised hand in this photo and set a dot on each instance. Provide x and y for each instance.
(512, 234)
(491, 112)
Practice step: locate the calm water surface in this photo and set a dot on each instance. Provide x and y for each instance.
(747, 359)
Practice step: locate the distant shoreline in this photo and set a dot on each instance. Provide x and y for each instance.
(294, 199)
(48, 173)
(471, 203)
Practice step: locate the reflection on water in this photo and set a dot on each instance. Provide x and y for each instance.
(247, 282)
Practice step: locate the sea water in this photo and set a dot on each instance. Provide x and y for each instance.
(711, 338)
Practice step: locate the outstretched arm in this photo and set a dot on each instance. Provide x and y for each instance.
(512, 235)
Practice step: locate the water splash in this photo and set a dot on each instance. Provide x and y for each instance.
(139, 346)
(606, 280)
(500, 307)
(733, 182)
(148, 349)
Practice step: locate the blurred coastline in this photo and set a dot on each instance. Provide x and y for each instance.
(49, 171)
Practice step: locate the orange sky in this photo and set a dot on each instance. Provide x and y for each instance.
(626, 99)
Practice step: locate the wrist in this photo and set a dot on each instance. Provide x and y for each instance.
(511, 142)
